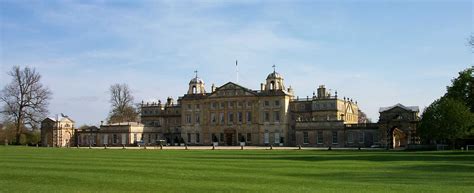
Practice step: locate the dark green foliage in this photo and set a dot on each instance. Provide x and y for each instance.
(462, 88)
(446, 119)
(451, 117)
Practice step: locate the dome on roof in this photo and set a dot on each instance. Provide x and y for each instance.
(196, 86)
(274, 75)
(196, 80)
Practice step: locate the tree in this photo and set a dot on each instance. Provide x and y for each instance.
(25, 99)
(363, 118)
(446, 119)
(121, 100)
(462, 88)
(7, 133)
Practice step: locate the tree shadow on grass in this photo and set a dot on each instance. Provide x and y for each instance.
(453, 168)
(354, 156)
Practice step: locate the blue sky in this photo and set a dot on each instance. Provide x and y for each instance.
(377, 52)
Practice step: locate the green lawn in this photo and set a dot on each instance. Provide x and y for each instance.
(25, 169)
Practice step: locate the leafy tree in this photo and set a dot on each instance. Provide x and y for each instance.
(7, 134)
(462, 88)
(34, 137)
(121, 100)
(446, 119)
(25, 99)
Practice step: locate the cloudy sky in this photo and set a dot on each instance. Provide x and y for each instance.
(377, 52)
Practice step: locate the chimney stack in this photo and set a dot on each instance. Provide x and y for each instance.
(322, 92)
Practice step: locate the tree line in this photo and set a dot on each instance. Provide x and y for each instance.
(450, 118)
(25, 102)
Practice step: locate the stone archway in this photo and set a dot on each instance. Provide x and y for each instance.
(398, 138)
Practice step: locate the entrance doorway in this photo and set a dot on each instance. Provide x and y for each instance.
(230, 137)
(399, 138)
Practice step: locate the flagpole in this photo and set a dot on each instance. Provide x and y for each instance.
(237, 70)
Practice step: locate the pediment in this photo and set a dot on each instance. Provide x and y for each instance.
(399, 108)
(349, 109)
(232, 89)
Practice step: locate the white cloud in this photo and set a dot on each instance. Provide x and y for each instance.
(156, 47)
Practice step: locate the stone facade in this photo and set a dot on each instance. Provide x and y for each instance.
(396, 129)
(164, 118)
(57, 132)
(118, 134)
(272, 116)
(232, 115)
(397, 126)
(227, 115)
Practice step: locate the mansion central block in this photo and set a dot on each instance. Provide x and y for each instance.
(232, 114)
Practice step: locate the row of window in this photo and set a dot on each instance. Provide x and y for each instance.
(276, 103)
(320, 137)
(231, 104)
(352, 136)
(230, 117)
(157, 123)
(156, 112)
(267, 117)
(350, 117)
(219, 137)
(324, 106)
(197, 138)
(153, 123)
(238, 104)
(197, 118)
(118, 138)
(277, 138)
(230, 93)
(235, 117)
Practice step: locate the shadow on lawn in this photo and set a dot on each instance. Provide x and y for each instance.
(378, 158)
(357, 156)
(399, 176)
(441, 168)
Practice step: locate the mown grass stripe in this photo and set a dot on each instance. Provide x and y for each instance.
(97, 170)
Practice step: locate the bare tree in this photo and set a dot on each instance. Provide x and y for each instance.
(25, 99)
(121, 100)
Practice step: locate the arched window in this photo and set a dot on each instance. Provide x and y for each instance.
(272, 85)
(194, 90)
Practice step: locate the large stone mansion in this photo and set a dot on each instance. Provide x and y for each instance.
(232, 115)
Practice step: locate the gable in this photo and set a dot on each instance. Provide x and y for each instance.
(349, 109)
(48, 119)
(61, 119)
(232, 89)
(399, 108)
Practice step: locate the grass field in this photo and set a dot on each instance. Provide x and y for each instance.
(25, 169)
